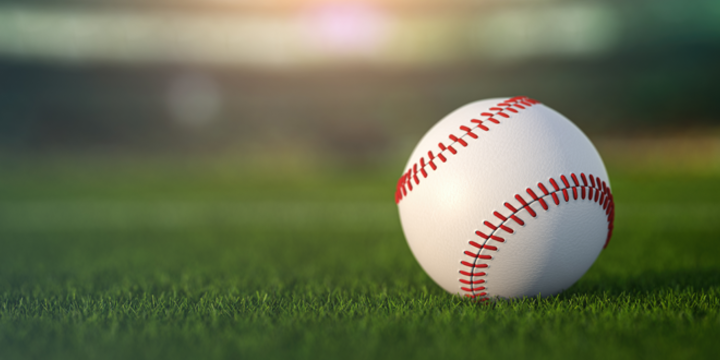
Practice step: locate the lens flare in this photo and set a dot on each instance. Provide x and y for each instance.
(349, 28)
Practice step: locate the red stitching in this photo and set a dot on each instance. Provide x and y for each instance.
(488, 247)
(404, 185)
(554, 184)
(481, 234)
(473, 289)
(517, 220)
(432, 157)
(499, 112)
(478, 256)
(603, 196)
(480, 125)
(468, 131)
(562, 177)
(457, 139)
(474, 296)
(542, 188)
(422, 167)
(555, 199)
(529, 209)
(472, 282)
(472, 265)
(472, 274)
(507, 229)
(554, 196)
(512, 208)
(602, 193)
(542, 202)
(513, 216)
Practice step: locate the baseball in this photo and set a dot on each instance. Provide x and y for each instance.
(505, 198)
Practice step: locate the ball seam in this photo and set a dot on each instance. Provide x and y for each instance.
(415, 172)
(597, 191)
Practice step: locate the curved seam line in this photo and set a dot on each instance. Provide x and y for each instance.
(413, 170)
(611, 206)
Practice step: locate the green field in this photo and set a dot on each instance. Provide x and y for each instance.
(120, 258)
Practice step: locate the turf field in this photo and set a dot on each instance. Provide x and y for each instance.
(194, 259)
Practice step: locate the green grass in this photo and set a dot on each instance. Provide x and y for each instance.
(187, 260)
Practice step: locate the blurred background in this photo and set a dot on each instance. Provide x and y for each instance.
(358, 81)
(194, 150)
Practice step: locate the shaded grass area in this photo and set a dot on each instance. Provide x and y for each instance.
(191, 260)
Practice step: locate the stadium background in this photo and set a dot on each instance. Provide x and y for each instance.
(215, 179)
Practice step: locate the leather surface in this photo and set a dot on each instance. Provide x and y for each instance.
(441, 213)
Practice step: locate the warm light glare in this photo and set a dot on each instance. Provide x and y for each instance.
(351, 28)
(315, 34)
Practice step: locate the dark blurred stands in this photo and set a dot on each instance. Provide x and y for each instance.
(659, 74)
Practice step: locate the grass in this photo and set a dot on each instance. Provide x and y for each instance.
(194, 259)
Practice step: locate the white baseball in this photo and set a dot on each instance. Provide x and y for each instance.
(505, 198)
